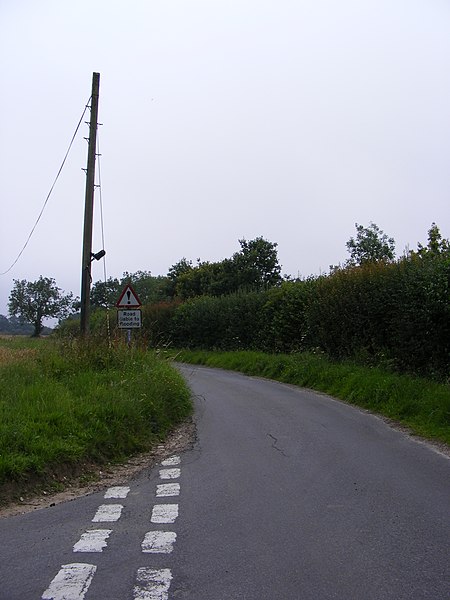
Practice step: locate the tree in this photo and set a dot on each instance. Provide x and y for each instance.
(370, 245)
(105, 293)
(255, 268)
(437, 245)
(33, 301)
(180, 268)
(149, 289)
(257, 264)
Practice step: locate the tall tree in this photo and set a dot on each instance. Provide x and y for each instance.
(370, 245)
(254, 267)
(33, 301)
(257, 264)
(437, 245)
(105, 293)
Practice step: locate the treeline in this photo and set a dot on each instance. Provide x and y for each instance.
(373, 309)
(396, 315)
(254, 267)
(13, 326)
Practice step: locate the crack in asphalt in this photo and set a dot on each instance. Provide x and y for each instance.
(274, 445)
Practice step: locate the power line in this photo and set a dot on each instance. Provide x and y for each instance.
(51, 189)
(108, 330)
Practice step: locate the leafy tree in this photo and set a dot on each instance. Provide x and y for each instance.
(437, 245)
(180, 268)
(105, 293)
(149, 289)
(257, 264)
(255, 267)
(370, 245)
(32, 301)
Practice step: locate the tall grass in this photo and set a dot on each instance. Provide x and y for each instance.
(62, 405)
(420, 404)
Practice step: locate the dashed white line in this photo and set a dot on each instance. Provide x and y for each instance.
(167, 489)
(93, 540)
(117, 492)
(171, 462)
(159, 542)
(108, 513)
(164, 513)
(71, 583)
(170, 473)
(152, 584)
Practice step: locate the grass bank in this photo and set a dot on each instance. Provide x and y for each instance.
(63, 406)
(420, 404)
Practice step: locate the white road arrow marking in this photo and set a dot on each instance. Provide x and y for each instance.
(71, 583)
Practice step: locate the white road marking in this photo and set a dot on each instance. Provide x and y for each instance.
(164, 513)
(159, 542)
(107, 513)
(117, 492)
(167, 489)
(171, 462)
(71, 583)
(93, 540)
(152, 584)
(170, 473)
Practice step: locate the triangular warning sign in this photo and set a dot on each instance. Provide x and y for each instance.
(128, 299)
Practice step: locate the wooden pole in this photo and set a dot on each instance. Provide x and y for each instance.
(89, 209)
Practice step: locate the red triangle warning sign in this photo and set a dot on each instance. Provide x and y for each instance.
(128, 299)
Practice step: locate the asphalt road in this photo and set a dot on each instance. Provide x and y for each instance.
(286, 494)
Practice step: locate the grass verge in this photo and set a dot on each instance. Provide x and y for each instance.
(420, 404)
(63, 407)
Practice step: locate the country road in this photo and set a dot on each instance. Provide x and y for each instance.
(286, 494)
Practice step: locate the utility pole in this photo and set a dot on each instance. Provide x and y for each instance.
(89, 209)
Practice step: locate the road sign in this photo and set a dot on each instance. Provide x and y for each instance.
(129, 319)
(128, 299)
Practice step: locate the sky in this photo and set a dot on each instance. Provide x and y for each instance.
(220, 120)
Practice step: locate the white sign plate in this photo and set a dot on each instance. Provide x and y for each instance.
(129, 319)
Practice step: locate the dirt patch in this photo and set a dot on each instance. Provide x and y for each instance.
(181, 439)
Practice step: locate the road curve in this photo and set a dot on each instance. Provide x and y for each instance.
(290, 494)
(286, 494)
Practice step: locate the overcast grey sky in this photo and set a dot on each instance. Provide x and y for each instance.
(222, 119)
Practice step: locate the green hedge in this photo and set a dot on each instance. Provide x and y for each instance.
(396, 315)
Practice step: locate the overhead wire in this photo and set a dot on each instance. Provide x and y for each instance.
(51, 189)
(108, 329)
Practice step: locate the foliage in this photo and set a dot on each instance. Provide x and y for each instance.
(69, 404)
(13, 326)
(226, 322)
(32, 301)
(371, 244)
(437, 245)
(393, 314)
(254, 267)
(148, 288)
(105, 293)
